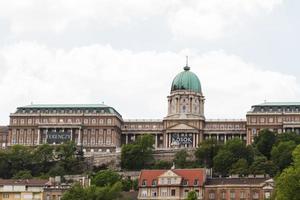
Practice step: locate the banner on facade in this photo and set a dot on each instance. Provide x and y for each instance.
(58, 137)
(181, 139)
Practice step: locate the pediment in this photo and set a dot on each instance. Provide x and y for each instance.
(182, 127)
(169, 173)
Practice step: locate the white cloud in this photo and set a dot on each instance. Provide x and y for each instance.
(136, 84)
(204, 19)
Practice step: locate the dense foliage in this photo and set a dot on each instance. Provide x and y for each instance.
(45, 160)
(106, 185)
(288, 183)
(270, 154)
(138, 155)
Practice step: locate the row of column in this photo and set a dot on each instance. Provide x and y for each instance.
(224, 136)
(195, 140)
(55, 130)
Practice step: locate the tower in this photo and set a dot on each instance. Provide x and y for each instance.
(184, 123)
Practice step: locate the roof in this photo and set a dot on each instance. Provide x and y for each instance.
(65, 106)
(186, 174)
(27, 182)
(186, 80)
(236, 181)
(109, 109)
(279, 104)
(3, 129)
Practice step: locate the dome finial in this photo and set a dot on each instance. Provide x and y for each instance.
(186, 68)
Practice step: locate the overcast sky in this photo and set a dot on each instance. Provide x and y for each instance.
(125, 53)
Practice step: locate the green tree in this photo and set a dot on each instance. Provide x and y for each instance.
(288, 136)
(206, 151)
(19, 158)
(127, 184)
(93, 192)
(240, 167)
(281, 154)
(43, 158)
(288, 183)
(180, 159)
(264, 142)
(138, 155)
(106, 177)
(162, 164)
(23, 174)
(192, 195)
(223, 161)
(261, 165)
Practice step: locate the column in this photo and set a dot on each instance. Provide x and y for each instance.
(39, 136)
(46, 136)
(217, 137)
(166, 140)
(71, 134)
(79, 137)
(155, 141)
(126, 138)
(225, 138)
(194, 139)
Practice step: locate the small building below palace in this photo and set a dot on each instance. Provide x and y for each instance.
(175, 184)
(171, 184)
(11, 189)
(100, 128)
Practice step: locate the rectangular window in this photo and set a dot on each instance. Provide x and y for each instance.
(242, 195)
(223, 195)
(232, 195)
(211, 195)
(255, 195)
(173, 192)
(5, 195)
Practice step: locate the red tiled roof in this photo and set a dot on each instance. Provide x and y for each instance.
(29, 182)
(186, 174)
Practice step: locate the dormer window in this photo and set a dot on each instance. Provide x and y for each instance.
(185, 182)
(144, 182)
(154, 182)
(196, 182)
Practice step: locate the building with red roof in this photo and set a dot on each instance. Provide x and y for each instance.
(173, 183)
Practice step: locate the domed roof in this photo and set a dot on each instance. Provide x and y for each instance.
(186, 80)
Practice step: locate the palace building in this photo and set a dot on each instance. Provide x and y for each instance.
(98, 127)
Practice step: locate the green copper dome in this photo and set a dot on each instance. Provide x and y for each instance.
(186, 80)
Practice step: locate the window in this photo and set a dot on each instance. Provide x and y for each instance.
(164, 192)
(185, 182)
(242, 195)
(223, 195)
(144, 182)
(267, 195)
(154, 182)
(144, 193)
(154, 193)
(173, 192)
(232, 195)
(169, 181)
(186, 193)
(196, 182)
(5, 195)
(255, 195)
(211, 195)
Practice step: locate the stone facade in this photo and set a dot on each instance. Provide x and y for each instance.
(3, 136)
(254, 188)
(276, 116)
(94, 127)
(97, 127)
